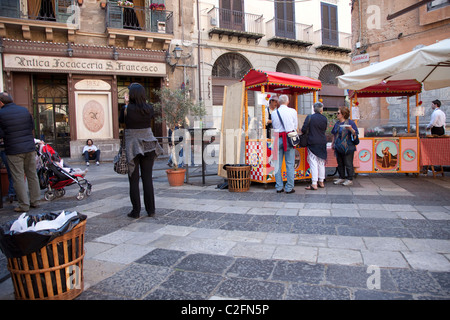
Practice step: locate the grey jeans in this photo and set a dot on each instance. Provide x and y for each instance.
(24, 165)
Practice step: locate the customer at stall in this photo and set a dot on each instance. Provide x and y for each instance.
(289, 123)
(317, 145)
(438, 119)
(345, 138)
(141, 148)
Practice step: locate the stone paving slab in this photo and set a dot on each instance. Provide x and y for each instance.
(206, 243)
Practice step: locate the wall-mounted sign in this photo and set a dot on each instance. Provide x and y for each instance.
(20, 62)
(92, 84)
(360, 58)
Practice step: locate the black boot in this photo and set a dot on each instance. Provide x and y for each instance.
(133, 214)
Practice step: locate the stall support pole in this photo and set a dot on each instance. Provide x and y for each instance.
(408, 116)
(417, 117)
(246, 114)
(351, 108)
(314, 96)
(263, 109)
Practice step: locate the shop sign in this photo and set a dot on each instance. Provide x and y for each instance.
(360, 58)
(20, 62)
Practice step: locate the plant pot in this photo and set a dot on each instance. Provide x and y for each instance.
(175, 177)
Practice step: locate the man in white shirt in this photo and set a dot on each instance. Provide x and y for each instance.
(437, 123)
(91, 152)
(281, 128)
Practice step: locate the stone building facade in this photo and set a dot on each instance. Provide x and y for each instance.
(310, 38)
(384, 29)
(70, 61)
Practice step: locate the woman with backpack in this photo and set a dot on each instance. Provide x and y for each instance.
(345, 138)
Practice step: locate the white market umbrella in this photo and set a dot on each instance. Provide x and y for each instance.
(429, 65)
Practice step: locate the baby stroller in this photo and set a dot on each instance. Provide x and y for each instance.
(55, 177)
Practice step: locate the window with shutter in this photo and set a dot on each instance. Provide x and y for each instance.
(9, 8)
(329, 24)
(285, 19)
(232, 15)
(63, 10)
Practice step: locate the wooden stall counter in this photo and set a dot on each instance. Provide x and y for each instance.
(388, 155)
(332, 162)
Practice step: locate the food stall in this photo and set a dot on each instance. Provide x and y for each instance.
(258, 151)
(398, 153)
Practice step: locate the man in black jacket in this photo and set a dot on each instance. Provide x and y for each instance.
(16, 129)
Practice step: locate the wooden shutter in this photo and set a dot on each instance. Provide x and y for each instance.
(329, 24)
(231, 14)
(285, 19)
(10, 8)
(114, 16)
(64, 11)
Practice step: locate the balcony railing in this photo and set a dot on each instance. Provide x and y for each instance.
(139, 18)
(235, 20)
(332, 39)
(278, 29)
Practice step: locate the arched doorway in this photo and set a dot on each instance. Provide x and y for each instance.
(332, 96)
(287, 65)
(228, 69)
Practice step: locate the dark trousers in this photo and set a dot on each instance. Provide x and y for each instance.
(143, 168)
(345, 163)
(440, 131)
(95, 157)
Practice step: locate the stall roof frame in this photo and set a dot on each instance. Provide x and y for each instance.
(282, 83)
(393, 88)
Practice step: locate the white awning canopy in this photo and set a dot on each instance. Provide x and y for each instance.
(429, 65)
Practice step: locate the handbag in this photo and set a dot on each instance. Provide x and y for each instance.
(292, 137)
(304, 137)
(120, 160)
(344, 142)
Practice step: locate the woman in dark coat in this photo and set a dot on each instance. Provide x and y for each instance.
(317, 145)
(141, 148)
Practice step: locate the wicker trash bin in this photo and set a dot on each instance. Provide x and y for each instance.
(55, 272)
(238, 176)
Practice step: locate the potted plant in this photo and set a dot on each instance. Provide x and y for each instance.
(125, 3)
(173, 108)
(157, 6)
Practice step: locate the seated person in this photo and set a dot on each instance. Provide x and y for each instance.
(91, 152)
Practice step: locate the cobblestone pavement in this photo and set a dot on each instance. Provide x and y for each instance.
(385, 237)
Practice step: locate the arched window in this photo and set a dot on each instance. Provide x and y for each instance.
(230, 65)
(287, 66)
(332, 96)
(227, 70)
(329, 73)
